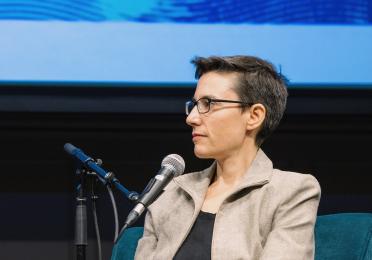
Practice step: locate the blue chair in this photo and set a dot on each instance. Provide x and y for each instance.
(125, 248)
(346, 236)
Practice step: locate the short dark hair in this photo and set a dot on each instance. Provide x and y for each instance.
(258, 82)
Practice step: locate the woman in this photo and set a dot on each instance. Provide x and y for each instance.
(240, 207)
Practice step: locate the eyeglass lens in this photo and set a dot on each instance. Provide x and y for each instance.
(189, 106)
(202, 105)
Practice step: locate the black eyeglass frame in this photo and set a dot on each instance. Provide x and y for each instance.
(210, 100)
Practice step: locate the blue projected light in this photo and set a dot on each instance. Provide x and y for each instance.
(151, 42)
(192, 11)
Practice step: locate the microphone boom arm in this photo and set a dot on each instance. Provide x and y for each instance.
(104, 176)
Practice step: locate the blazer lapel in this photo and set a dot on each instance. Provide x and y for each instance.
(196, 183)
(259, 173)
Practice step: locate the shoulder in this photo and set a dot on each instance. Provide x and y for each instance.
(294, 179)
(288, 185)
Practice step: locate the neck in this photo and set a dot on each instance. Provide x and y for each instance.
(230, 170)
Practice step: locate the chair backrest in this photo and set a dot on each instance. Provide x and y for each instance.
(125, 248)
(346, 236)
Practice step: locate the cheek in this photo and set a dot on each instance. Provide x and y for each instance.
(227, 133)
(228, 128)
(231, 137)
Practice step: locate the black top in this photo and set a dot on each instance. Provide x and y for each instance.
(197, 245)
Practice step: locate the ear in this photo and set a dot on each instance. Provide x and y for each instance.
(255, 116)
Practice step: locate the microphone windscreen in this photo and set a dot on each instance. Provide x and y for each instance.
(176, 162)
(69, 148)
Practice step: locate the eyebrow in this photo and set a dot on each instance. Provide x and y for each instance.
(206, 96)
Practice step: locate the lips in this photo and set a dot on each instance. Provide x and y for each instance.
(197, 135)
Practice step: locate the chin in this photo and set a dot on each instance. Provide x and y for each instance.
(202, 154)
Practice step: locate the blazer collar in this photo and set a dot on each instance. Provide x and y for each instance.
(196, 183)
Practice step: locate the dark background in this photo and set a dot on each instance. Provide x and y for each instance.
(325, 132)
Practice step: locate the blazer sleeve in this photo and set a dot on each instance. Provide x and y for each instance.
(292, 233)
(147, 244)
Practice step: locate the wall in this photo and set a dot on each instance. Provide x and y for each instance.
(324, 132)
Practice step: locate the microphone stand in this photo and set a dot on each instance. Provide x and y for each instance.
(89, 165)
(81, 231)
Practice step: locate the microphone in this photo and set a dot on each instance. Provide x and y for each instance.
(86, 160)
(171, 166)
(104, 176)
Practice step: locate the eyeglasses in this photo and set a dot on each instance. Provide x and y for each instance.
(204, 104)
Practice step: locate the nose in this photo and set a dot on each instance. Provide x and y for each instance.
(193, 118)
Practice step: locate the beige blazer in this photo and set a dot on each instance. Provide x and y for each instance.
(270, 216)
